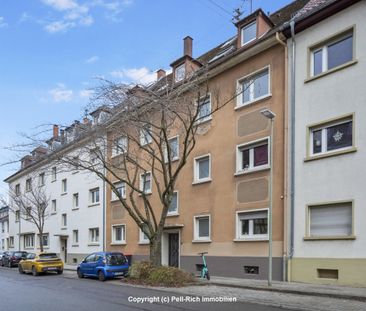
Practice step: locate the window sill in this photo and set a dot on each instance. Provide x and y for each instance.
(325, 73)
(330, 154)
(172, 214)
(251, 240)
(63, 193)
(75, 172)
(202, 241)
(330, 238)
(63, 228)
(53, 213)
(117, 200)
(203, 181)
(118, 243)
(44, 247)
(54, 180)
(144, 243)
(29, 247)
(146, 193)
(253, 170)
(75, 245)
(93, 204)
(203, 121)
(257, 100)
(93, 244)
(74, 208)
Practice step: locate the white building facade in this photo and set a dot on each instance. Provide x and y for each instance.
(4, 228)
(329, 236)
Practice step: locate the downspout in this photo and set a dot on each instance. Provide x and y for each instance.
(292, 147)
(104, 218)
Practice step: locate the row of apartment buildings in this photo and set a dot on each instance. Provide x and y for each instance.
(304, 63)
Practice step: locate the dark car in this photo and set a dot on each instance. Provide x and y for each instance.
(103, 265)
(11, 259)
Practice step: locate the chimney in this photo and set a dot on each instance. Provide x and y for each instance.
(62, 133)
(187, 46)
(55, 131)
(160, 73)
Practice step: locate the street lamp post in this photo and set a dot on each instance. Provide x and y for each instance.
(270, 115)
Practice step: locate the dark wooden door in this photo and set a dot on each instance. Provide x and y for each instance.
(174, 249)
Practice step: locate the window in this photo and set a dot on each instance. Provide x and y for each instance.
(330, 220)
(94, 196)
(145, 182)
(248, 33)
(11, 241)
(54, 173)
(202, 228)
(331, 137)
(28, 184)
(173, 149)
(204, 109)
(28, 240)
(64, 220)
(64, 186)
(119, 146)
(75, 200)
(75, 237)
(143, 238)
(94, 235)
(44, 240)
(252, 225)
(121, 189)
(254, 87)
(53, 206)
(41, 179)
(332, 54)
(145, 135)
(202, 169)
(252, 156)
(28, 212)
(118, 234)
(76, 164)
(17, 189)
(17, 216)
(180, 73)
(173, 208)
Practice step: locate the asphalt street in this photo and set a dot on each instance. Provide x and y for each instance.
(64, 293)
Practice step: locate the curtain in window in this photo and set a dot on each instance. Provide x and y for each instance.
(261, 155)
(339, 136)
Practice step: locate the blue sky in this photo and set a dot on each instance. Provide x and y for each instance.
(52, 52)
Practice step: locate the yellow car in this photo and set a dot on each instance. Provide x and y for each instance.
(43, 262)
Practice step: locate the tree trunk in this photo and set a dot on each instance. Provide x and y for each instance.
(155, 250)
(40, 241)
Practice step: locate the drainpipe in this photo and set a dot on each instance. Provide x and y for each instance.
(292, 142)
(104, 186)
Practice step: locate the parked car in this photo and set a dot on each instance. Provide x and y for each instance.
(103, 265)
(41, 263)
(11, 259)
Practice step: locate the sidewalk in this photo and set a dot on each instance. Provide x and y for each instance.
(70, 267)
(331, 291)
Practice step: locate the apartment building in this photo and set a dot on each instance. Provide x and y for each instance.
(221, 202)
(4, 228)
(73, 222)
(327, 54)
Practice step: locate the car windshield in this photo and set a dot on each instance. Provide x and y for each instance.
(48, 256)
(116, 259)
(19, 254)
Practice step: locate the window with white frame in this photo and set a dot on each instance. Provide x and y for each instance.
(204, 109)
(94, 196)
(17, 189)
(252, 156)
(202, 168)
(331, 54)
(173, 208)
(17, 216)
(331, 137)
(44, 240)
(119, 146)
(143, 238)
(3, 226)
(28, 184)
(254, 87)
(252, 224)
(145, 182)
(64, 220)
(28, 240)
(53, 206)
(75, 200)
(75, 237)
(173, 149)
(202, 231)
(41, 179)
(118, 234)
(28, 212)
(94, 235)
(330, 220)
(64, 186)
(121, 189)
(249, 33)
(54, 173)
(11, 241)
(145, 135)
(180, 73)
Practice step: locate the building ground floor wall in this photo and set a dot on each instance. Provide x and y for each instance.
(342, 271)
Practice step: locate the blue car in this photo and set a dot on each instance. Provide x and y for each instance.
(103, 265)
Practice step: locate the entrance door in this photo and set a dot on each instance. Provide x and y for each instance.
(173, 249)
(63, 251)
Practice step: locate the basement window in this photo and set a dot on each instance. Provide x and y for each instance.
(328, 274)
(251, 269)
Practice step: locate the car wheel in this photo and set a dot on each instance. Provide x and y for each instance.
(60, 271)
(101, 276)
(20, 269)
(80, 274)
(34, 271)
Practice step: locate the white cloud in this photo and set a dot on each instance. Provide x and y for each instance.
(135, 75)
(61, 5)
(3, 24)
(59, 26)
(92, 60)
(61, 93)
(86, 93)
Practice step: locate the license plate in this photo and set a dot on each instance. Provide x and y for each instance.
(119, 273)
(51, 268)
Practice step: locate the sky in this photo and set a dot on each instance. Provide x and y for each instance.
(54, 52)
